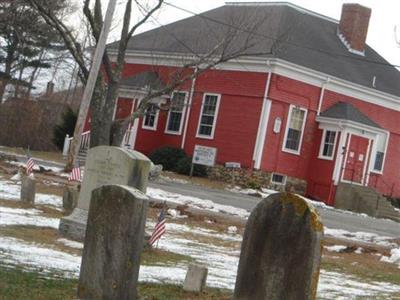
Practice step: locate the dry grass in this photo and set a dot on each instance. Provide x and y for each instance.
(49, 189)
(53, 156)
(43, 236)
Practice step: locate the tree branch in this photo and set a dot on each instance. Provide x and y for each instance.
(70, 42)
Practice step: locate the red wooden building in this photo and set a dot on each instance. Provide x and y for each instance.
(317, 105)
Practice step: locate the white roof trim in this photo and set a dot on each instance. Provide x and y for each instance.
(341, 123)
(278, 66)
(347, 44)
(294, 6)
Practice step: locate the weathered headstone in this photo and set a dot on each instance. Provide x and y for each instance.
(281, 251)
(70, 197)
(105, 165)
(28, 189)
(155, 171)
(113, 243)
(195, 279)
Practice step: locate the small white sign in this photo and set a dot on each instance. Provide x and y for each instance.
(277, 125)
(203, 155)
(232, 165)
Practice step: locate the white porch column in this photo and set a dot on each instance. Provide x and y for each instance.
(339, 157)
(262, 125)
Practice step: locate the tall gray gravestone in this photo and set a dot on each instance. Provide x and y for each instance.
(105, 165)
(113, 243)
(28, 189)
(281, 251)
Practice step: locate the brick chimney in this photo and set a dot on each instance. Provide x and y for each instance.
(353, 26)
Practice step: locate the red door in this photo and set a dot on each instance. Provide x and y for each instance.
(356, 159)
(124, 108)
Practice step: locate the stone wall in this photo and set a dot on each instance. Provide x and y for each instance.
(255, 179)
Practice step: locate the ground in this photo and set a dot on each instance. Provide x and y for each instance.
(37, 263)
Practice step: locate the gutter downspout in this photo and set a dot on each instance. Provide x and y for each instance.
(190, 100)
(321, 96)
(262, 125)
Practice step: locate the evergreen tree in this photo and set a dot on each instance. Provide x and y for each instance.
(24, 39)
(67, 126)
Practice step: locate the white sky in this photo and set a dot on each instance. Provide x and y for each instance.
(381, 35)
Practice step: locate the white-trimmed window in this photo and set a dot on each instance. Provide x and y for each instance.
(150, 118)
(328, 143)
(176, 112)
(379, 155)
(278, 179)
(208, 116)
(294, 129)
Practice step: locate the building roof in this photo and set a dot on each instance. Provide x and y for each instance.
(346, 111)
(277, 30)
(142, 80)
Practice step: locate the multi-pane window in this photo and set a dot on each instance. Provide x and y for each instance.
(278, 179)
(150, 117)
(208, 116)
(328, 144)
(295, 127)
(175, 115)
(378, 165)
(381, 144)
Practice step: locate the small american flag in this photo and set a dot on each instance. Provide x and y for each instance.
(76, 174)
(30, 163)
(159, 230)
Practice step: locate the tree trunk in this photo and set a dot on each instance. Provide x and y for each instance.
(108, 110)
(96, 105)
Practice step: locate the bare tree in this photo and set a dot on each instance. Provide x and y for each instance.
(237, 40)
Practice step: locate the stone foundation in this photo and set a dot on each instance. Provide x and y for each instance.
(255, 179)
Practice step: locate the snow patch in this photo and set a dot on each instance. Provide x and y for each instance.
(335, 248)
(71, 244)
(361, 237)
(394, 257)
(195, 202)
(27, 217)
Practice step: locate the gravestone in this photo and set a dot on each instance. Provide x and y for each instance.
(281, 251)
(28, 189)
(195, 279)
(113, 243)
(70, 197)
(105, 165)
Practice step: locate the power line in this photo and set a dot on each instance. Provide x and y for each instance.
(266, 37)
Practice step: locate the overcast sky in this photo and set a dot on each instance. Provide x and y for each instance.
(381, 35)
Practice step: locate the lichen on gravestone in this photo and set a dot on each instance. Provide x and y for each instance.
(281, 250)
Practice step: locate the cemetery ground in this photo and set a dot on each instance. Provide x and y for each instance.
(37, 263)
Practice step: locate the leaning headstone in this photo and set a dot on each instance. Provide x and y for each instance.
(281, 251)
(28, 189)
(105, 165)
(195, 279)
(70, 197)
(113, 243)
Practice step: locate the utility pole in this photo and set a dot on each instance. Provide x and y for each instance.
(90, 84)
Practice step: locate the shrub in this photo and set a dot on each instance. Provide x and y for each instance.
(167, 156)
(252, 184)
(184, 164)
(67, 126)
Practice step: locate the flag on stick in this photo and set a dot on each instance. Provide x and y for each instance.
(159, 229)
(30, 163)
(75, 174)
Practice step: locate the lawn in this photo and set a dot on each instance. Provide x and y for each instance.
(16, 283)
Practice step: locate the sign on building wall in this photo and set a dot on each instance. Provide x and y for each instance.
(203, 155)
